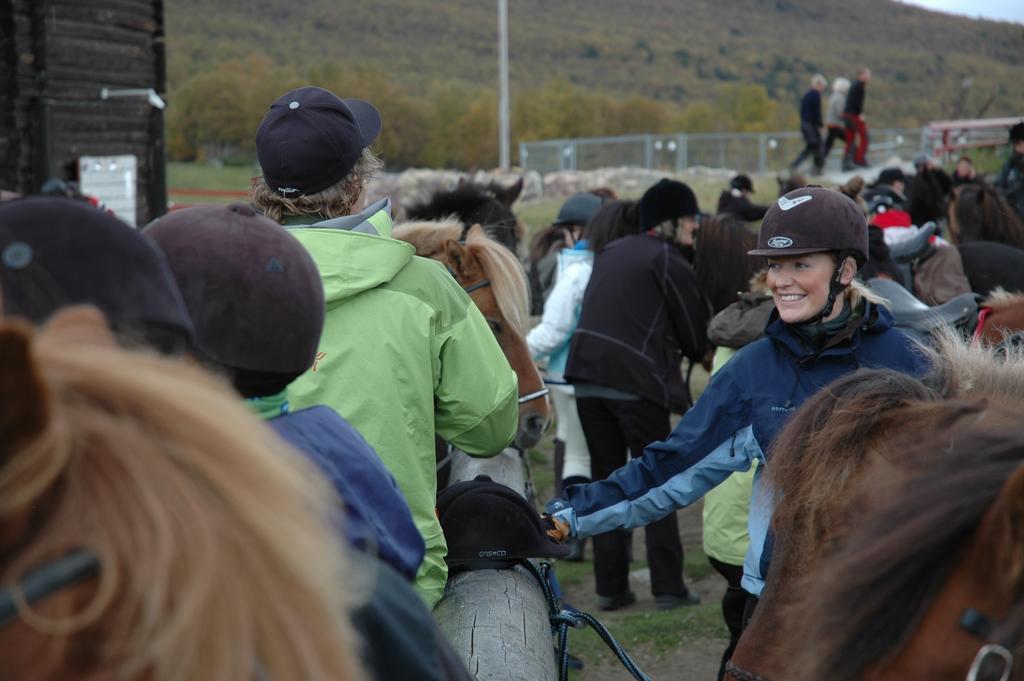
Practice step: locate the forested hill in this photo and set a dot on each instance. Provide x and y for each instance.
(676, 50)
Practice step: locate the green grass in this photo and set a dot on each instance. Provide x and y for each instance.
(208, 177)
(647, 636)
(539, 213)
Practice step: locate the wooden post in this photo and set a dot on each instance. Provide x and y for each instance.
(497, 620)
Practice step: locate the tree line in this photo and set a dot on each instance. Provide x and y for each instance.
(215, 113)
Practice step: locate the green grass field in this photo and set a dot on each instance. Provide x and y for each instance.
(207, 177)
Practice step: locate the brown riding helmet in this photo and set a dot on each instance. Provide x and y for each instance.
(813, 220)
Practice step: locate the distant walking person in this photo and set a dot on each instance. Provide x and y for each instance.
(834, 114)
(810, 124)
(856, 123)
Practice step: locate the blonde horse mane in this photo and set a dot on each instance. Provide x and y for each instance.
(217, 556)
(961, 369)
(999, 298)
(500, 265)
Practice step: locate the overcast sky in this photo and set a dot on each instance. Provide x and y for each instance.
(1003, 10)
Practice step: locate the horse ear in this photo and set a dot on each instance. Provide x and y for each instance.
(508, 195)
(461, 262)
(24, 400)
(455, 257)
(476, 232)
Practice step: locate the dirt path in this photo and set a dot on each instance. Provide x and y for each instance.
(701, 638)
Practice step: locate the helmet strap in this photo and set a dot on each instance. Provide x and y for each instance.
(835, 287)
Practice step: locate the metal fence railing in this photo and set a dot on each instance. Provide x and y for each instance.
(746, 152)
(945, 138)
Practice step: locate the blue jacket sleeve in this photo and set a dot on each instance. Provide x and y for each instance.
(712, 440)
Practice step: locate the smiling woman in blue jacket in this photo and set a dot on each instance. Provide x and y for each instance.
(825, 325)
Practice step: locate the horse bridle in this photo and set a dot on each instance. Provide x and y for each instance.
(46, 580)
(994, 659)
(528, 397)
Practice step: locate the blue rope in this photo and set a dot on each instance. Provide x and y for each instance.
(563, 618)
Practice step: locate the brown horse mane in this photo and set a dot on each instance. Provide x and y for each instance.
(213, 537)
(878, 587)
(720, 260)
(827, 442)
(979, 213)
(500, 265)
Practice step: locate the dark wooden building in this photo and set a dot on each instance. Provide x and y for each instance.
(82, 78)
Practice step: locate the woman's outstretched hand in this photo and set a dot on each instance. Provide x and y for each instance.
(557, 530)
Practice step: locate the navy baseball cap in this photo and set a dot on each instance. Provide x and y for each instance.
(311, 139)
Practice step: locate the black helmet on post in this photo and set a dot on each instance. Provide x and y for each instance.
(489, 525)
(813, 219)
(252, 290)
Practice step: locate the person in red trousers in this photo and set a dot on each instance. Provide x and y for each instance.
(856, 123)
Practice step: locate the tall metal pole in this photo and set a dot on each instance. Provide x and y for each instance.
(503, 132)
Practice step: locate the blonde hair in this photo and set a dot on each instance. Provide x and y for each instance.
(841, 85)
(335, 201)
(217, 557)
(857, 292)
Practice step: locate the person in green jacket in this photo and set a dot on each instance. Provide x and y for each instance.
(726, 507)
(405, 355)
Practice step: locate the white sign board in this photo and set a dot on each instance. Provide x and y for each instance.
(111, 179)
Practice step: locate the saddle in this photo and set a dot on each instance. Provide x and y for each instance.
(913, 250)
(921, 320)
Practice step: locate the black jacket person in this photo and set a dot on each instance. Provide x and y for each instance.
(736, 200)
(643, 311)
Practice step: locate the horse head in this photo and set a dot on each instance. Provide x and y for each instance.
(472, 203)
(878, 555)
(821, 470)
(495, 281)
(930, 583)
(978, 213)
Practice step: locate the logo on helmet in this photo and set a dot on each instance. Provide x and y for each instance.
(790, 204)
(780, 241)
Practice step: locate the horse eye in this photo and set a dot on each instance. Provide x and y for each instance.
(495, 326)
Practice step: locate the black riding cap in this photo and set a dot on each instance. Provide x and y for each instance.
(253, 291)
(813, 220)
(743, 183)
(667, 200)
(489, 525)
(56, 252)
